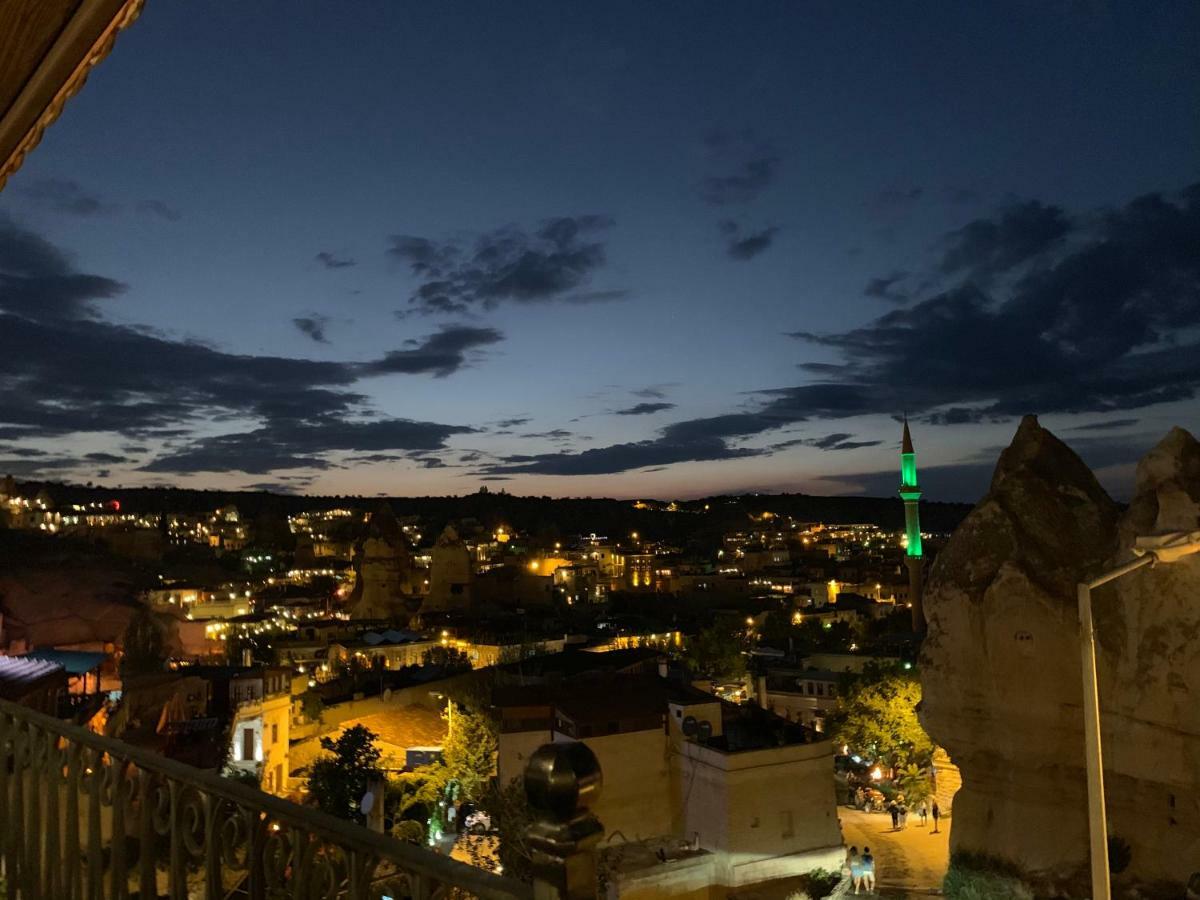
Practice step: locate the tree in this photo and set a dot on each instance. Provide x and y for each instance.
(511, 815)
(469, 752)
(914, 782)
(144, 645)
(449, 658)
(338, 782)
(878, 718)
(716, 653)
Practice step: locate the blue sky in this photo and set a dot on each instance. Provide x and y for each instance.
(674, 205)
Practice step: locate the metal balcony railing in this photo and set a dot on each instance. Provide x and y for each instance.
(85, 817)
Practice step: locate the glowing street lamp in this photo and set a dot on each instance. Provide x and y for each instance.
(1148, 551)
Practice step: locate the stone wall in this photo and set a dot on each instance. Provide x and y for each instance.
(1001, 667)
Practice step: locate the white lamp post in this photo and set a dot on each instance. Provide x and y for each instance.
(1149, 551)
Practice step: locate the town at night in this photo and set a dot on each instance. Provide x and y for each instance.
(633, 450)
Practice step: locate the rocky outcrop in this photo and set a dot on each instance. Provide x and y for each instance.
(385, 574)
(1001, 670)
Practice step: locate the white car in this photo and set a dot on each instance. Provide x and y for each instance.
(477, 822)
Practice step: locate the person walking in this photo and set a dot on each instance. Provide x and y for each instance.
(903, 816)
(923, 812)
(868, 870)
(937, 814)
(853, 869)
(894, 810)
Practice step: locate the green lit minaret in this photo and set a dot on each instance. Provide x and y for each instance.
(910, 493)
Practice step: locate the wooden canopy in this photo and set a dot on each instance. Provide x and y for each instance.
(47, 49)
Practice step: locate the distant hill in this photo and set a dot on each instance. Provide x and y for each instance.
(538, 515)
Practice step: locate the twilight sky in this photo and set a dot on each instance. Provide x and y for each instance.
(610, 249)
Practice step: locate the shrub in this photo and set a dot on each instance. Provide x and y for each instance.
(978, 876)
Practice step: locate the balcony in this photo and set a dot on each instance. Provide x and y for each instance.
(87, 816)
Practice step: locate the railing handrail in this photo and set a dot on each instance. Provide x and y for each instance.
(337, 831)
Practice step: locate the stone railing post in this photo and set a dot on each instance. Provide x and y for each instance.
(562, 781)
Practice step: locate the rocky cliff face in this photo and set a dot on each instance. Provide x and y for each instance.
(1001, 669)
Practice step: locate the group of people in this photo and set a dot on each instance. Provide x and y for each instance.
(861, 869)
(899, 813)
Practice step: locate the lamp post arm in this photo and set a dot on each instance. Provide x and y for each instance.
(1112, 574)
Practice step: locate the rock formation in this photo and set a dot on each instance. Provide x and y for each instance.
(450, 574)
(1001, 670)
(383, 566)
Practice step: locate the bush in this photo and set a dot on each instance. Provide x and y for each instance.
(977, 876)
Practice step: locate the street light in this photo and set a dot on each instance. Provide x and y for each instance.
(1148, 551)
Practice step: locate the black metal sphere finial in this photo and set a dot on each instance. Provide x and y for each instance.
(563, 780)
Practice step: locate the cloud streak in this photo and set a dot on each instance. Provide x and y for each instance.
(554, 262)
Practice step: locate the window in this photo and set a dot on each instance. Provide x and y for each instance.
(247, 744)
(274, 732)
(820, 689)
(832, 691)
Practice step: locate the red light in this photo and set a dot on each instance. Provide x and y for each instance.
(115, 504)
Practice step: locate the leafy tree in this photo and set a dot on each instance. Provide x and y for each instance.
(878, 718)
(511, 815)
(914, 782)
(338, 781)
(716, 653)
(469, 752)
(144, 645)
(450, 658)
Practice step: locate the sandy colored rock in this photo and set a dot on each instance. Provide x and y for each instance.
(1001, 671)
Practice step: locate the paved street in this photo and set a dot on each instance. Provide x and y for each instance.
(910, 861)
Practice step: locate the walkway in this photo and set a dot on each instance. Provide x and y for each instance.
(911, 861)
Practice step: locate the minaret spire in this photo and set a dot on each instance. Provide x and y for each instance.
(910, 493)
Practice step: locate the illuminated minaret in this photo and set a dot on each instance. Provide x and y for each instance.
(910, 493)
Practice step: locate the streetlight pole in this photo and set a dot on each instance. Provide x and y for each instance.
(1165, 548)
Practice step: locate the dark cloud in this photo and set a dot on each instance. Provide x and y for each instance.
(644, 409)
(37, 280)
(836, 441)
(968, 481)
(749, 166)
(619, 458)
(64, 369)
(1020, 233)
(1106, 425)
(653, 391)
(301, 445)
(1100, 318)
(840, 441)
(110, 458)
(886, 288)
(160, 209)
(557, 434)
(513, 423)
(745, 246)
(333, 261)
(313, 326)
(556, 261)
(442, 353)
(65, 196)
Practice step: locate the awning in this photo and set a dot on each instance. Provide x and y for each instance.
(47, 49)
(73, 662)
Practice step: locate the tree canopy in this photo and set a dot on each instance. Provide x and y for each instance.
(339, 780)
(877, 717)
